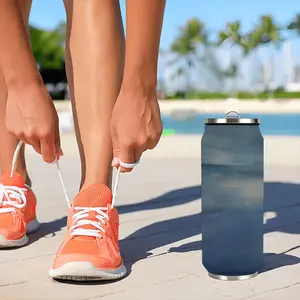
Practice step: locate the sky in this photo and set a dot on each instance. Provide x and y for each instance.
(215, 13)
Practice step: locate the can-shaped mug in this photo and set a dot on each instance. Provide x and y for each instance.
(232, 162)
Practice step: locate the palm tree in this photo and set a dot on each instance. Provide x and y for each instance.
(185, 48)
(294, 27)
(233, 36)
(266, 32)
(48, 47)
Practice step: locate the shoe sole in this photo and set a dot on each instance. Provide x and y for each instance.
(31, 227)
(85, 271)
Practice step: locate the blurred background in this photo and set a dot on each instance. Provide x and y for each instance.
(214, 57)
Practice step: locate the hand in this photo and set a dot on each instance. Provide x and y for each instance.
(32, 118)
(135, 126)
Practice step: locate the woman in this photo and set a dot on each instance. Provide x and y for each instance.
(116, 116)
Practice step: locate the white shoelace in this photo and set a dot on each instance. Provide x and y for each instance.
(15, 197)
(12, 197)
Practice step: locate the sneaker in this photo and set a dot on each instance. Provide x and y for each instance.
(90, 250)
(17, 211)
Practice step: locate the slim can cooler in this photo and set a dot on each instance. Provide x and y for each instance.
(232, 197)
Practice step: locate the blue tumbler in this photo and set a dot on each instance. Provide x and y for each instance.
(232, 197)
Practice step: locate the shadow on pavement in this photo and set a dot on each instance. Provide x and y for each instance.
(48, 229)
(277, 260)
(170, 199)
(282, 199)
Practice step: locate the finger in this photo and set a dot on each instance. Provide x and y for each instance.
(152, 143)
(126, 156)
(115, 162)
(48, 149)
(116, 150)
(59, 151)
(138, 152)
(31, 142)
(116, 154)
(22, 138)
(35, 144)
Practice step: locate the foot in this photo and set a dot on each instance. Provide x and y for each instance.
(90, 250)
(17, 211)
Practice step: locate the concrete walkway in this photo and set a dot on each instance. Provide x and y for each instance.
(159, 205)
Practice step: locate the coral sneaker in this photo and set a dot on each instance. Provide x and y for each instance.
(17, 211)
(90, 250)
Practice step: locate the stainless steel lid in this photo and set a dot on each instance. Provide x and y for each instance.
(232, 117)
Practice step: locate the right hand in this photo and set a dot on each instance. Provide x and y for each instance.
(32, 118)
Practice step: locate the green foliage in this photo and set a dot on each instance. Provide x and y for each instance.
(231, 32)
(241, 96)
(189, 36)
(191, 47)
(185, 48)
(295, 24)
(266, 31)
(48, 47)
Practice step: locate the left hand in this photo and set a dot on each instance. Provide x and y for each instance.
(135, 126)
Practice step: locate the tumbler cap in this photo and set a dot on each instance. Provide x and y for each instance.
(232, 117)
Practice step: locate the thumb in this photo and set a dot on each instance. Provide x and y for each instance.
(115, 162)
(116, 153)
(126, 157)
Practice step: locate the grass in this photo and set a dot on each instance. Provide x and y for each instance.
(240, 95)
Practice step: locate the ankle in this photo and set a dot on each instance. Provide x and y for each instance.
(85, 184)
(22, 173)
(28, 181)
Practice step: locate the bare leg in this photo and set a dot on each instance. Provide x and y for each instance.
(8, 141)
(94, 60)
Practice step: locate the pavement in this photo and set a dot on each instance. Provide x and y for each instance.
(160, 233)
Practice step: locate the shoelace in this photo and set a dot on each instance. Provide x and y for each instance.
(80, 217)
(12, 197)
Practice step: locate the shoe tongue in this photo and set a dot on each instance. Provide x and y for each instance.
(96, 195)
(15, 180)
